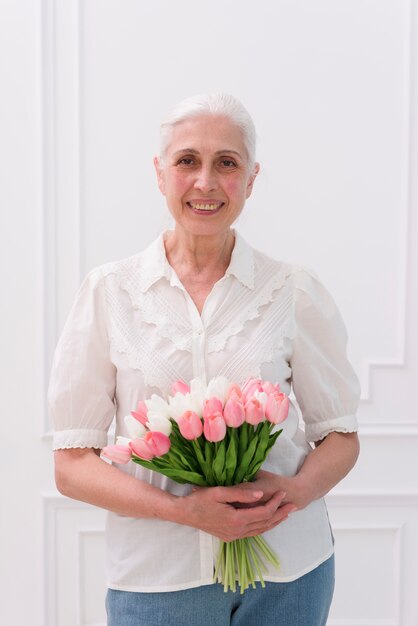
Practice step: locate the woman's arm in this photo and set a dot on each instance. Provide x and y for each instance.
(81, 474)
(324, 467)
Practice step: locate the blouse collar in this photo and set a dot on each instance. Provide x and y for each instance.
(155, 265)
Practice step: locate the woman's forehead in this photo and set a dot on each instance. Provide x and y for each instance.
(215, 133)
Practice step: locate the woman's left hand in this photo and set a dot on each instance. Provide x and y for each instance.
(270, 483)
(332, 458)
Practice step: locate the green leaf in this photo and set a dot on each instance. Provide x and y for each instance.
(243, 441)
(230, 461)
(147, 464)
(180, 476)
(219, 463)
(199, 456)
(209, 459)
(184, 477)
(189, 463)
(258, 462)
(273, 438)
(261, 450)
(175, 458)
(245, 462)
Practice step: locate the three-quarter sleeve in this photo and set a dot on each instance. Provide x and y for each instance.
(82, 384)
(324, 382)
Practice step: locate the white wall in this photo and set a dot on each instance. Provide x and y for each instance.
(332, 88)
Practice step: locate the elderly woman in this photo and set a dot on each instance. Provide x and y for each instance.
(200, 302)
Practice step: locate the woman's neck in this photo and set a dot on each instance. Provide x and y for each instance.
(204, 256)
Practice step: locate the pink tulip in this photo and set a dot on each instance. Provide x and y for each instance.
(141, 448)
(234, 413)
(251, 386)
(254, 412)
(268, 387)
(141, 412)
(211, 406)
(277, 407)
(190, 425)
(151, 445)
(234, 388)
(118, 454)
(214, 427)
(159, 442)
(254, 385)
(180, 386)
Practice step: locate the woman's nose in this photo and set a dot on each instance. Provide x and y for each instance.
(206, 180)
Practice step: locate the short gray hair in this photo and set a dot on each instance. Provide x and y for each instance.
(211, 104)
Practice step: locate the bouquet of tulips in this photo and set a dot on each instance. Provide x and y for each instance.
(207, 435)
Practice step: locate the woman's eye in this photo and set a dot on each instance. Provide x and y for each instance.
(228, 163)
(186, 161)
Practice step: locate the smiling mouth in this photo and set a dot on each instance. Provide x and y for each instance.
(210, 207)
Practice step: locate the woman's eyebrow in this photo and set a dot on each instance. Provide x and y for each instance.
(193, 151)
(188, 150)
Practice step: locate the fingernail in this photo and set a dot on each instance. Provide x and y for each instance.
(293, 509)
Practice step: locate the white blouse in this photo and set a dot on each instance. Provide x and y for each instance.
(134, 330)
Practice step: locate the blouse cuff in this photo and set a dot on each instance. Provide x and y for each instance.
(79, 438)
(319, 430)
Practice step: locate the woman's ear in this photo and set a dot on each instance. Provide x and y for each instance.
(252, 178)
(160, 174)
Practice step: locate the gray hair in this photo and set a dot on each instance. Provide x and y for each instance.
(211, 104)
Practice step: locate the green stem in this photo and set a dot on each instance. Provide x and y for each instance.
(267, 551)
(256, 562)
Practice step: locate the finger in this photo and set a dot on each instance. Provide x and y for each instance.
(236, 494)
(263, 512)
(280, 516)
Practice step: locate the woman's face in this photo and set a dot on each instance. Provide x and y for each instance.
(204, 175)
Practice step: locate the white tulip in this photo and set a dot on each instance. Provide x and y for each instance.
(262, 397)
(179, 404)
(159, 423)
(134, 428)
(198, 392)
(123, 441)
(218, 387)
(157, 405)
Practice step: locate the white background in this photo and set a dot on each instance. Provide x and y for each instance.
(332, 87)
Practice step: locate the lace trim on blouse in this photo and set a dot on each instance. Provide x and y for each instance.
(172, 323)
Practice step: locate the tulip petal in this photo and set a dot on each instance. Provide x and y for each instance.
(117, 454)
(214, 427)
(158, 442)
(134, 427)
(180, 387)
(159, 423)
(141, 448)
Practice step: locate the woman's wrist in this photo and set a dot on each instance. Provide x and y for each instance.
(299, 491)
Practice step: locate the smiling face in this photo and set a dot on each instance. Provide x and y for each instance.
(204, 174)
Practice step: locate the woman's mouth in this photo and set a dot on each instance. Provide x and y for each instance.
(205, 207)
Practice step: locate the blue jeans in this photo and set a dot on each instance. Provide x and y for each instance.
(303, 602)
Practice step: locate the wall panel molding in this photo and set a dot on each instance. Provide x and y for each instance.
(53, 505)
(48, 134)
(395, 562)
(388, 429)
(362, 499)
(61, 166)
(83, 585)
(375, 366)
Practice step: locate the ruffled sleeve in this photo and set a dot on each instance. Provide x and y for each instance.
(82, 384)
(325, 384)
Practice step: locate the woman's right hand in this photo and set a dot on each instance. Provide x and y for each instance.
(218, 511)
